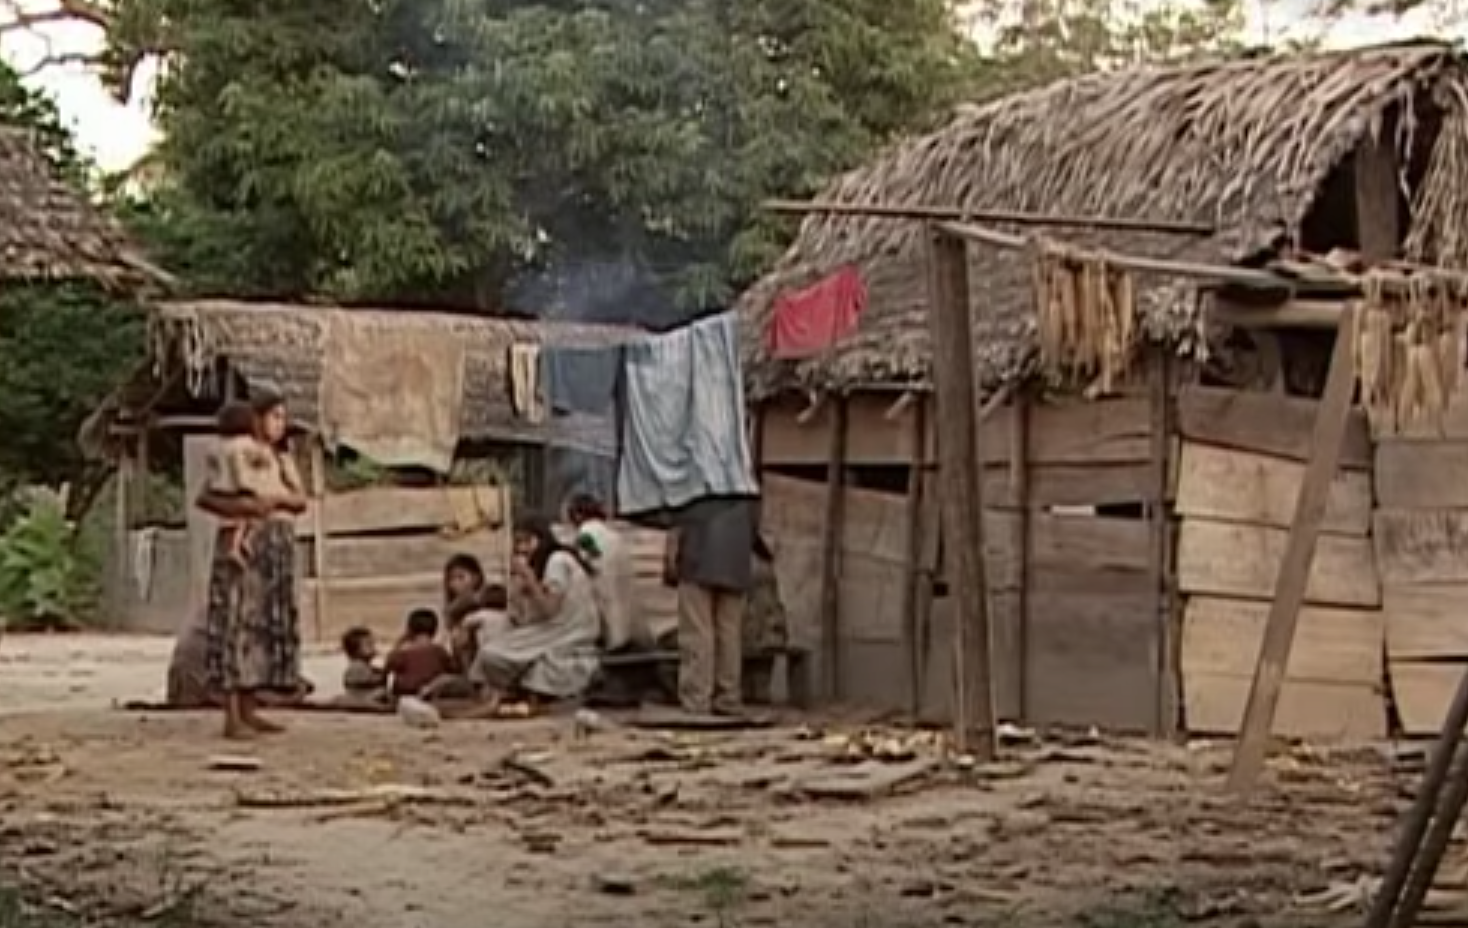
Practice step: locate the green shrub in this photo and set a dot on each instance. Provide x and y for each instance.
(45, 581)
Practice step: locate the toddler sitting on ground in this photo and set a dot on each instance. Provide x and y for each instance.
(418, 661)
(363, 681)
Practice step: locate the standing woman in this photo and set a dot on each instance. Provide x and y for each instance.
(253, 620)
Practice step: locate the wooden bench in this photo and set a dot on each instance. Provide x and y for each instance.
(628, 676)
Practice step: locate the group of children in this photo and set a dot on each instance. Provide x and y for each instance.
(418, 664)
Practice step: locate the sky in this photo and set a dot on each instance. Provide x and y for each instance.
(116, 135)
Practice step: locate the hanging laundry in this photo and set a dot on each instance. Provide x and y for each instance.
(580, 380)
(683, 429)
(525, 382)
(809, 321)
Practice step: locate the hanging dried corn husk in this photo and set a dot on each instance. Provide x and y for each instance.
(1409, 353)
(1086, 317)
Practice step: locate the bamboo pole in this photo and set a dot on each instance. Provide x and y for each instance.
(919, 212)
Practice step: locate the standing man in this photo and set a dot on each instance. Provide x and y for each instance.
(709, 557)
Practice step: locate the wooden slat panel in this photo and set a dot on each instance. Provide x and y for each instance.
(875, 523)
(1317, 711)
(1264, 422)
(1073, 484)
(1422, 693)
(1075, 431)
(1227, 559)
(1241, 486)
(1221, 637)
(368, 556)
(1422, 474)
(1094, 553)
(1093, 659)
(379, 604)
(397, 509)
(1417, 546)
(1426, 622)
(872, 438)
(871, 599)
(1067, 432)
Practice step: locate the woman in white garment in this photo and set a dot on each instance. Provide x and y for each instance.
(614, 576)
(547, 646)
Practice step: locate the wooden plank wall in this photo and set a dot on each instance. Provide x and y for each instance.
(385, 548)
(1087, 644)
(1237, 478)
(1421, 540)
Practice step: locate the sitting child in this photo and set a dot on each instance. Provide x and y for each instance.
(363, 681)
(492, 604)
(418, 660)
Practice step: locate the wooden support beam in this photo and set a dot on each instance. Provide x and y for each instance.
(1019, 486)
(920, 213)
(815, 402)
(900, 406)
(917, 489)
(831, 553)
(1169, 650)
(1294, 573)
(960, 467)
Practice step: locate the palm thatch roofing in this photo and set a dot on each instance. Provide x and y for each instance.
(1243, 147)
(285, 346)
(49, 232)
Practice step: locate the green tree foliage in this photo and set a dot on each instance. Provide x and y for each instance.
(434, 150)
(62, 346)
(1034, 42)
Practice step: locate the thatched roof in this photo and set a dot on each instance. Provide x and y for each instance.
(49, 232)
(285, 346)
(1242, 146)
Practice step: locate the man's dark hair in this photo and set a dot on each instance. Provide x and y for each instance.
(423, 623)
(235, 419)
(353, 639)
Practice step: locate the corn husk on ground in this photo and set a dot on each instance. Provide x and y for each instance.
(1409, 353)
(1086, 311)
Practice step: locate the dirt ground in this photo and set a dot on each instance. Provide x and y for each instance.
(549, 823)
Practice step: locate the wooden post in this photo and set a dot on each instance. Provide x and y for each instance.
(1019, 485)
(831, 552)
(959, 476)
(912, 566)
(1169, 641)
(1294, 571)
(318, 541)
(124, 585)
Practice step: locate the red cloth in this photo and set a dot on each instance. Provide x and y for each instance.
(808, 321)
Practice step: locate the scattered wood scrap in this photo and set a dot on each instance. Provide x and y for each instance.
(692, 837)
(234, 763)
(391, 794)
(867, 781)
(683, 721)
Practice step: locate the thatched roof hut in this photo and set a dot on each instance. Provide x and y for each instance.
(1250, 148)
(286, 346)
(48, 232)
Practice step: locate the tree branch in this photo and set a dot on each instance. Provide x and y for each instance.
(61, 61)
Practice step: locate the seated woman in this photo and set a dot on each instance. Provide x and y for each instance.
(614, 574)
(546, 646)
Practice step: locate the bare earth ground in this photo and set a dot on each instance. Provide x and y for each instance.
(527, 824)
